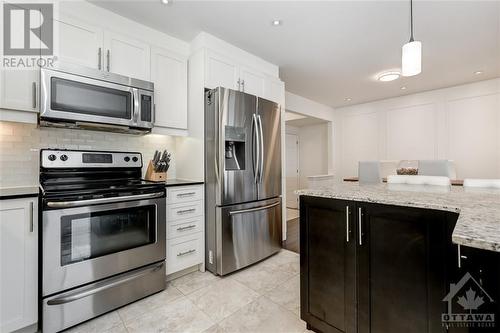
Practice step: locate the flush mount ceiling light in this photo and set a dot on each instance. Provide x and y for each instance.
(347, 99)
(478, 72)
(388, 76)
(165, 2)
(411, 59)
(403, 88)
(276, 23)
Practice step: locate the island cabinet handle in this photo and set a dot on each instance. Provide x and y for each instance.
(460, 256)
(360, 225)
(347, 223)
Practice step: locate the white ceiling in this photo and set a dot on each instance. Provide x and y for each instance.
(330, 50)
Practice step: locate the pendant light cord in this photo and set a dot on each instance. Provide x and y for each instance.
(411, 21)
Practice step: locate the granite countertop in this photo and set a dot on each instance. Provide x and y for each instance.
(181, 182)
(478, 223)
(12, 192)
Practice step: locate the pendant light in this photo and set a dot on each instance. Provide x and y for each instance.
(411, 60)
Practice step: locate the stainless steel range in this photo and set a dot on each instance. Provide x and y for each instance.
(103, 234)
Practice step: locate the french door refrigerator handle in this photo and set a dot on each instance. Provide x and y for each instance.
(261, 133)
(257, 141)
(235, 212)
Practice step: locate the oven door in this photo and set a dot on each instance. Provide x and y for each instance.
(72, 97)
(85, 244)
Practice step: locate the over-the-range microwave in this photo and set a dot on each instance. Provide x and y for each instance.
(80, 97)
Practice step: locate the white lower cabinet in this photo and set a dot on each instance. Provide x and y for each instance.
(185, 228)
(18, 263)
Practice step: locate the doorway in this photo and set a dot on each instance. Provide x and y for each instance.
(306, 155)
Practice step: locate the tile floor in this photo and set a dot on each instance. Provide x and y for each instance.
(261, 298)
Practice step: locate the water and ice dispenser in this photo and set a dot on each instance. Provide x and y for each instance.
(235, 146)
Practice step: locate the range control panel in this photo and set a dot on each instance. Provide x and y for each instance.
(55, 158)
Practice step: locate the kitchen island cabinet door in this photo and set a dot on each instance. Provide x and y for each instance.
(401, 269)
(327, 264)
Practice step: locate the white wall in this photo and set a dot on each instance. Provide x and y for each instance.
(313, 152)
(460, 123)
(307, 107)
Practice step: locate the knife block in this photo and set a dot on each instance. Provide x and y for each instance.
(154, 176)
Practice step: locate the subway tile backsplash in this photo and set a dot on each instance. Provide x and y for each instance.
(20, 146)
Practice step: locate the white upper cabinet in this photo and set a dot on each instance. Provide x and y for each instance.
(19, 263)
(274, 90)
(126, 56)
(220, 72)
(80, 43)
(169, 75)
(19, 89)
(252, 82)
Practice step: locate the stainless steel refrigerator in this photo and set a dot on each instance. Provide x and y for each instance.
(243, 179)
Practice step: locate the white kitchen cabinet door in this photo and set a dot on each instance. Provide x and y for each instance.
(19, 89)
(252, 82)
(169, 75)
(18, 263)
(274, 90)
(126, 56)
(221, 72)
(80, 43)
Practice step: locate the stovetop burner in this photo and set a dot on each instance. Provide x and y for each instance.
(76, 174)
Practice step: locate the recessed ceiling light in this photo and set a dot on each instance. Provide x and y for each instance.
(165, 2)
(347, 99)
(277, 23)
(478, 72)
(389, 76)
(403, 88)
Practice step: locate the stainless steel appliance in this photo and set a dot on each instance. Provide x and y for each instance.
(80, 97)
(243, 179)
(102, 236)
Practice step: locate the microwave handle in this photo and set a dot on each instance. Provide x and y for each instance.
(135, 99)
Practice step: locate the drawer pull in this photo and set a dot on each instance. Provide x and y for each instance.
(188, 194)
(186, 227)
(186, 211)
(180, 254)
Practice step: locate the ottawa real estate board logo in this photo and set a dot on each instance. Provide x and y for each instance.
(467, 302)
(28, 35)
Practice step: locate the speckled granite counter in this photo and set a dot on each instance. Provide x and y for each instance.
(18, 192)
(478, 223)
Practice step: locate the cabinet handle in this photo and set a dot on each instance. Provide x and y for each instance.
(180, 254)
(32, 214)
(460, 256)
(99, 59)
(347, 223)
(188, 194)
(360, 226)
(239, 84)
(33, 87)
(108, 58)
(185, 211)
(243, 84)
(187, 227)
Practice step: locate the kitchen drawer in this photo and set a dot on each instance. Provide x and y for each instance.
(184, 227)
(184, 252)
(184, 194)
(184, 211)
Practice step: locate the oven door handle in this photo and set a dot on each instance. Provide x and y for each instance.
(66, 204)
(78, 295)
